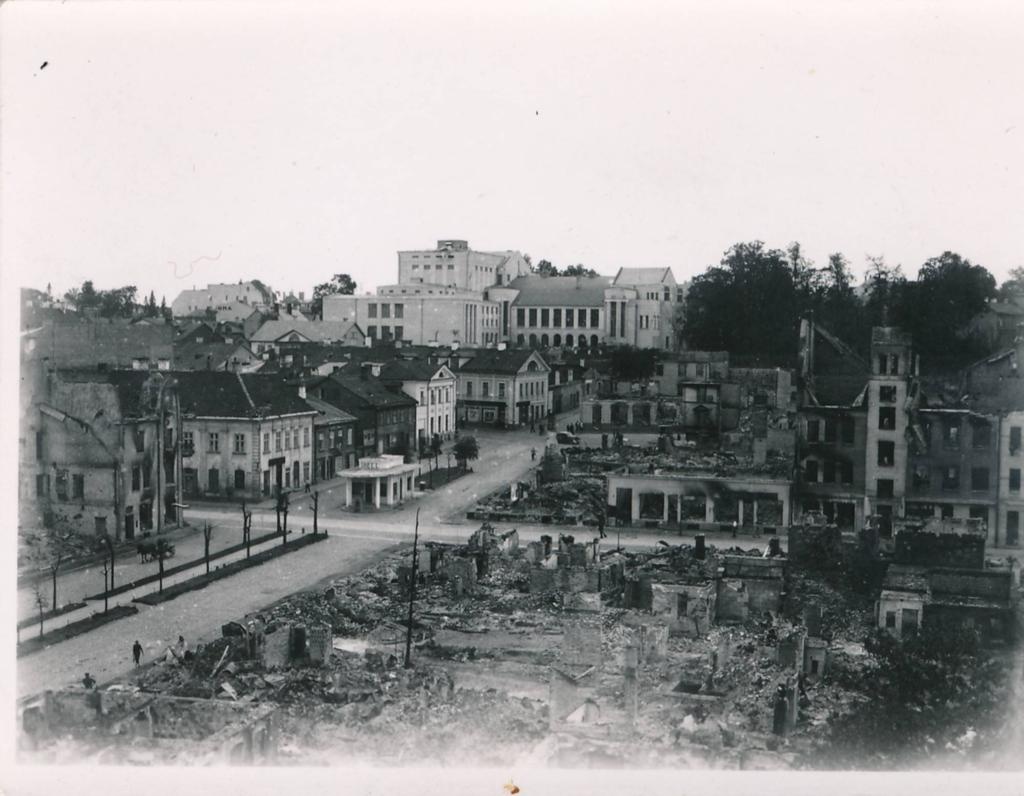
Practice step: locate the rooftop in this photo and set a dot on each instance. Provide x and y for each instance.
(563, 291)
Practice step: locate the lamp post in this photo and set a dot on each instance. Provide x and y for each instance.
(160, 437)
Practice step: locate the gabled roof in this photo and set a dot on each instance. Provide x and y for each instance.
(314, 331)
(508, 362)
(560, 291)
(370, 391)
(628, 277)
(206, 356)
(207, 393)
(409, 370)
(328, 412)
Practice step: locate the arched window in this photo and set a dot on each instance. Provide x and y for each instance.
(533, 341)
(544, 341)
(556, 340)
(520, 340)
(568, 341)
(593, 341)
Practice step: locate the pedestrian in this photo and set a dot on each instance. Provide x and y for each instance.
(137, 652)
(307, 487)
(533, 426)
(88, 681)
(181, 645)
(533, 454)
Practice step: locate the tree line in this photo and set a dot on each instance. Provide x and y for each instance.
(751, 303)
(119, 302)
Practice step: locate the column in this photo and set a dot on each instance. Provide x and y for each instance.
(629, 413)
(348, 491)
(679, 507)
(376, 491)
(739, 508)
(755, 509)
(664, 506)
(390, 481)
(709, 508)
(634, 508)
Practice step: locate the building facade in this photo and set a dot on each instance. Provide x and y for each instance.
(434, 388)
(503, 387)
(221, 295)
(385, 419)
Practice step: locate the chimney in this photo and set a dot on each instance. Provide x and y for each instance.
(302, 391)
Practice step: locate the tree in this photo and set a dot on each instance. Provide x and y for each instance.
(466, 449)
(633, 364)
(1011, 290)
(340, 284)
(579, 270)
(162, 550)
(207, 536)
(165, 311)
(52, 547)
(545, 268)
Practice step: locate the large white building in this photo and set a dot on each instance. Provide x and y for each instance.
(453, 294)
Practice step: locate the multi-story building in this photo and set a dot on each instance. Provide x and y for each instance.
(650, 315)
(243, 435)
(75, 341)
(454, 264)
(422, 314)
(503, 387)
(433, 387)
(98, 458)
(385, 419)
(216, 296)
(334, 444)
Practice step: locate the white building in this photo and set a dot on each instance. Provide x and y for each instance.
(434, 387)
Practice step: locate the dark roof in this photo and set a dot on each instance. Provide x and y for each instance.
(560, 291)
(208, 393)
(328, 412)
(369, 390)
(509, 361)
(408, 370)
(204, 356)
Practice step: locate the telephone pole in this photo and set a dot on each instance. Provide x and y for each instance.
(412, 592)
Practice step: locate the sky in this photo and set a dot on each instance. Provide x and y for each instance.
(172, 144)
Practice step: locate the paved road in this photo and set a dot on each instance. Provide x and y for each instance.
(105, 652)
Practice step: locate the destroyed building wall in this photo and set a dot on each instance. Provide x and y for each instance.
(687, 609)
(815, 545)
(939, 549)
(565, 579)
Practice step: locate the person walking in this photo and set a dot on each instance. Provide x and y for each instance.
(88, 681)
(137, 652)
(533, 454)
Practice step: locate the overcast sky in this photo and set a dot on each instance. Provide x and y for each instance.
(168, 144)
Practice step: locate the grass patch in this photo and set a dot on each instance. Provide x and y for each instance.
(75, 629)
(201, 581)
(51, 614)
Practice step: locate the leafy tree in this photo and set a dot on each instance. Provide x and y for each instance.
(632, 364)
(466, 449)
(579, 270)
(165, 311)
(545, 268)
(340, 284)
(1011, 290)
(50, 548)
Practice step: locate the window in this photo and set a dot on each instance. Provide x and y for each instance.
(371, 331)
(385, 310)
(811, 470)
(371, 310)
(485, 389)
(239, 446)
(533, 317)
(830, 430)
(399, 332)
(42, 485)
(305, 472)
(1015, 479)
(813, 430)
(951, 478)
(951, 434)
(501, 389)
(266, 442)
(469, 389)
(140, 440)
(570, 318)
(981, 434)
(399, 310)
(213, 440)
(846, 430)
(887, 394)
(423, 397)
(240, 479)
(545, 318)
(520, 317)
(886, 453)
(1014, 440)
(305, 438)
(883, 487)
(890, 620)
(187, 443)
(921, 478)
(145, 477)
(1012, 527)
(887, 417)
(894, 364)
(557, 319)
(883, 361)
(979, 479)
(829, 472)
(277, 441)
(595, 318)
(62, 484)
(78, 486)
(846, 472)
(581, 318)
(136, 478)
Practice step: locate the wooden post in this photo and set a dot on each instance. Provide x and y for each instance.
(412, 593)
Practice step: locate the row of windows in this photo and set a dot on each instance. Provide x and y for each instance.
(557, 341)
(842, 429)
(77, 482)
(645, 321)
(385, 310)
(437, 395)
(289, 437)
(386, 332)
(340, 436)
(949, 478)
(828, 472)
(393, 416)
(553, 318)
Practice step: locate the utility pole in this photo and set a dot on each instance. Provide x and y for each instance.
(106, 587)
(316, 510)
(247, 532)
(284, 526)
(207, 533)
(412, 592)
